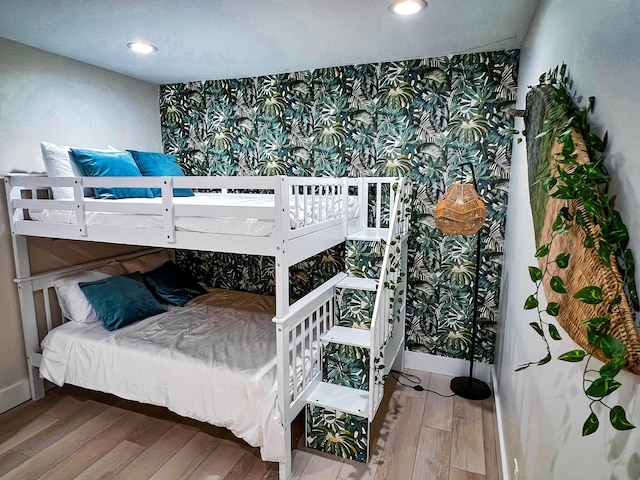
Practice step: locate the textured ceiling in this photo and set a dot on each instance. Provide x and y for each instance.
(200, 40)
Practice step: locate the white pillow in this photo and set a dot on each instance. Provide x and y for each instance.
(58, 163)
(73, 303)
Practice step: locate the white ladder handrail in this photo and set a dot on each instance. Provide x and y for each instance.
(392, 280)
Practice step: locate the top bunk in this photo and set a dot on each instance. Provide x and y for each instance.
(291, 218)
(250, 215)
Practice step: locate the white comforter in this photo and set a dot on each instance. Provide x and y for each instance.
(299, 214)
(213, 360)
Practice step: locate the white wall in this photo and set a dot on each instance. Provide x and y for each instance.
(543, 408)
(45, 97)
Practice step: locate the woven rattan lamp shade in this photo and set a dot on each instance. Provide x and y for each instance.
(460, 211)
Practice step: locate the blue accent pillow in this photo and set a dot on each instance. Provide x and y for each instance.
(173, 285)
(160, 165)
(121, 300)
(109, 164)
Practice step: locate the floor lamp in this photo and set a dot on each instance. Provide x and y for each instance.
(461, 211)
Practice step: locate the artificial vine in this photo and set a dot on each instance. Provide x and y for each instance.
(584, 186)
(394, 269)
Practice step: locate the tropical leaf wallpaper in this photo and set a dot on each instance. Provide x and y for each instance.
(363, 258)
(356, 308)
(419, 118)
(338, 433)
(345, 365)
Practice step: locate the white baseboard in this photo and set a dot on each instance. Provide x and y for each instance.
(14, 395)
(454, 367)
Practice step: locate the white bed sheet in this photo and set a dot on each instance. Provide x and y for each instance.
(298, 215)
(203, 361)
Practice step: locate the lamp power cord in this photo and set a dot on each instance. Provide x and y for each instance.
(414, 382)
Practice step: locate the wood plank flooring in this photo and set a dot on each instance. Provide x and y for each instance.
(78, 434)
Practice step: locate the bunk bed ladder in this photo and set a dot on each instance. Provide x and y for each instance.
(360, 350)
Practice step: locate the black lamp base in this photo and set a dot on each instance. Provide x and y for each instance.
(470, 388)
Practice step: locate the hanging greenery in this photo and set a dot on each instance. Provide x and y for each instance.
(589, 286)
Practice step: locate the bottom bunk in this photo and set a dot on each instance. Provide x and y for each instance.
(216, 358)
(213, 360)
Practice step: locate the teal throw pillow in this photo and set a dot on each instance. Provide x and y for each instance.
(122, 300)
(93, 163)
(160, 165)
(172, 284)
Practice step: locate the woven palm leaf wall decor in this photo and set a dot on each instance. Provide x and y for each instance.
(549, 158)
(584, 265)
(419, 118)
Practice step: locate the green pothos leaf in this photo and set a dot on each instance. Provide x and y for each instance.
(535, 273)
(597, 327)
(562, 260)
(591, 425)
(612, 347)
(531, 302)
(601, 387)
(537, 328)
(591, 295)
(553, 308)
(593, 336)
(558, 224)
(557, 284)
(573, 356)
(568, 146)
(553, 332)
(604, 252)
(602, 322)
(591, 207)
(542, 251)
(589, 242)
(612, 368)
(619, 420)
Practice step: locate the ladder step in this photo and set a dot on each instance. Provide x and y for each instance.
(338, 397)
(359, 283)
(369, 234)
(356, 337)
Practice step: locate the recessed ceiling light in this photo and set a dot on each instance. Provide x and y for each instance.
(142, 47)
(407, 7)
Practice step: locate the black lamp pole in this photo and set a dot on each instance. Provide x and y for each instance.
(469, 387)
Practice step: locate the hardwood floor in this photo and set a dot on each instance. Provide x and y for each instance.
(78, 434)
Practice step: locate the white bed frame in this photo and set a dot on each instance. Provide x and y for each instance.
(288, 245)
(297, 326)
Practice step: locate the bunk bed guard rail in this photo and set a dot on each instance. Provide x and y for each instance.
(299, 206)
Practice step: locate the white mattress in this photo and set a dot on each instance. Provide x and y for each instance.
(298, 215)
(206, 361)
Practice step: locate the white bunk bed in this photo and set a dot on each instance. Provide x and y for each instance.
(304, 214)
(297, 218)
